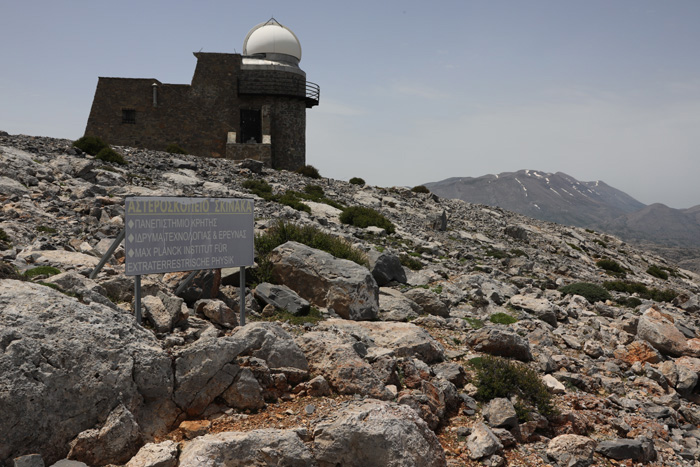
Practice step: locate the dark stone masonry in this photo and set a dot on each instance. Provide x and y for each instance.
(237, 107)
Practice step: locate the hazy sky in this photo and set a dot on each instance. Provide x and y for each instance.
(411, 92)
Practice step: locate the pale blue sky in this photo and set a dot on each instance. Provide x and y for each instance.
(411, 92)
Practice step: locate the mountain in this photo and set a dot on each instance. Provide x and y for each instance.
(558, 197)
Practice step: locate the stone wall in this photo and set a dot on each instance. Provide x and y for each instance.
(258, 152)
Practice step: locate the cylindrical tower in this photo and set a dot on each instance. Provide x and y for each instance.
(274, 93)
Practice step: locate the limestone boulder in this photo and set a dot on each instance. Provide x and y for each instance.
(482, 442)
(500, 413)
(163, 454)
(500, 342)
(641, 450)
(326, 281)
(394, 306)
(87, 289)
(386, 267)
(371, 432)
(658, 329)
(540, 307)
(60, 259)
(572, 450)
(209, 367)
(428, 402)
(269, 342)
(10, 187)
(163, 312)
(67, 365)
(244, 449)
(404, 339)
(217, 312)
(429, 302)
(114, 443)
(282, 298)
(245, 392)
(336, 357)
(203, 371)
(638, 351)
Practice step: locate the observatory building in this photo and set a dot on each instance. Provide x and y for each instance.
(238, 106)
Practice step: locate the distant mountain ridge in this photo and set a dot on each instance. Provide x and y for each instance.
(558, 197)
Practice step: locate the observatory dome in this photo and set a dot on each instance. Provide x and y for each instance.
(271, 38)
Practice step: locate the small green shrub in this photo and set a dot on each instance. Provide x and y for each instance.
(631, 302)
(498, 377)
(601, 243)
(517, 252)
(611, 266)
(315, 191)
(291, 198)
(259, 187)
(357, 181)
(591, 292)
(410, 262)
(475, 323)
(498, 254)
(308, 171)
(46, 230)
(175, 149)
(283, 232)
(643, 291)
(4, 237)
(110, 155)
(420, 189)
(90, 144)
(41, 271)
(502, 318)
(667, 295)
(656, 271)
(360, 216)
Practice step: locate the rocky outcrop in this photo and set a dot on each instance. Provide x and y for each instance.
(501, 343)
(659, 330)
(339, 358)
(69, 365)
(338, 284)
(237, 449)
(376, 433)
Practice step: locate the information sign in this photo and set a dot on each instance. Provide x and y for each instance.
(169, 234)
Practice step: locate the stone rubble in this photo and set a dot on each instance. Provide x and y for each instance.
(383, 379)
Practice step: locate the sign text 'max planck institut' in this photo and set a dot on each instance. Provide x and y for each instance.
(169, 234)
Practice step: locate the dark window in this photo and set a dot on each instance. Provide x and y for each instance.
(128, 116)
(251, 129)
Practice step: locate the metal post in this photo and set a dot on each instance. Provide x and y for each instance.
(108, 254)
(187, 281)
(137, 298)
(242, 293)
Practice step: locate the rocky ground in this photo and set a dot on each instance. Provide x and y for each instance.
(382, 373)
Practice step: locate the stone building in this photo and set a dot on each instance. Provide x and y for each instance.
(239, 106)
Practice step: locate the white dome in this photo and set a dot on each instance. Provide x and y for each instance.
(271, 38)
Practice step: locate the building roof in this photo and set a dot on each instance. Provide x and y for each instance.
(271, 37)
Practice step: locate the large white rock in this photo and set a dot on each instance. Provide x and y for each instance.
(237, 449)
(371, 432)
(66, 365)
(326, 281)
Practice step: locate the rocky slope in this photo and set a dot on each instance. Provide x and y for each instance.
(387, 376)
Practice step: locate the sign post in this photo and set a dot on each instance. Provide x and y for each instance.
(172, 234)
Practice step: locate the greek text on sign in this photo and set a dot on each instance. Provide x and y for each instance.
(168, 234)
